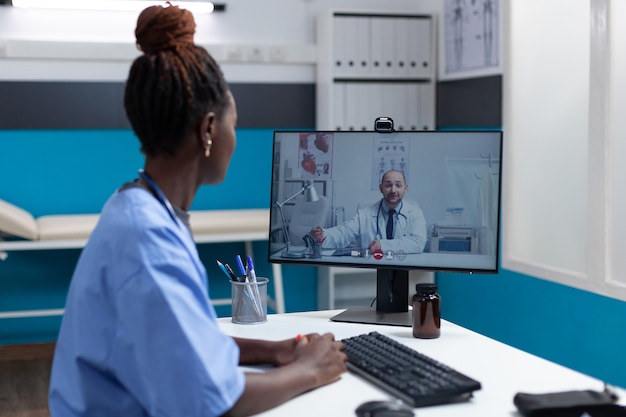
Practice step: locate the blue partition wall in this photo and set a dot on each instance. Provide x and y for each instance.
(75, 171)
(575, 328)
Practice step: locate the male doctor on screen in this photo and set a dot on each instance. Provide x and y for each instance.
(390, 224)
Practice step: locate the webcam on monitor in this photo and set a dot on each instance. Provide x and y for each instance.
(383, 125)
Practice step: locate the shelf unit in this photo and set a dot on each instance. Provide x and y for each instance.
(357, 286)
(372, 64)
(375, 64)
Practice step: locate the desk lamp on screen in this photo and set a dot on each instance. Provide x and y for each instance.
(444, 187)
(310, 195)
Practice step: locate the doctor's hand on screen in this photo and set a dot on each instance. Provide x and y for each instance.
(375, 246)
(317, 234)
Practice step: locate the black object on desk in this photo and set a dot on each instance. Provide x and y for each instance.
(384, 409)
(415, 378)
(569, 404)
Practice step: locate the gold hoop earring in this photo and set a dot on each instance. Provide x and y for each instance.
(207, 150)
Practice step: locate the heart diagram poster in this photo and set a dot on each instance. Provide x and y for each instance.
(315, 155)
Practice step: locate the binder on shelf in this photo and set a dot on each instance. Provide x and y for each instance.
(340, 55)
(372, 103)
(373, 65)
(363, 99)
(426, 109)
(412, 100)
(352, 106)
(352, 50)
(419, 51)
(383, 46)
(388, 102)
(338, 117)
(398, 91)
(363, 46)
(403, 48)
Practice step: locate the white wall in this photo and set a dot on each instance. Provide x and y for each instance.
(564, 106)
(617, 135)
(546, 99)
(83, 45)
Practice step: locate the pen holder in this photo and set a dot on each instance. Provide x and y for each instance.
(249, 301)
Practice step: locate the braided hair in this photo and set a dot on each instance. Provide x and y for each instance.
(173, 84)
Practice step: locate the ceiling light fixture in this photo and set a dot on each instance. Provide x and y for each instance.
(198, 7)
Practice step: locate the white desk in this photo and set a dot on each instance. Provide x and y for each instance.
(425, 260)
(502, 370)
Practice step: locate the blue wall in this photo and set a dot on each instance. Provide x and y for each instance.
(575, 328)
(51, 172)
(75, 171)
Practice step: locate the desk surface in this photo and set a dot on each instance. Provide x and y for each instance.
(502, 370)
(426, 259)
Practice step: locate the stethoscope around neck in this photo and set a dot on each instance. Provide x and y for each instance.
(380, 206)
(160, 196)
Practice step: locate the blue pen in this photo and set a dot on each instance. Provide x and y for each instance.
(252, 274)
(242, 270)
(248, 296)
(223, 268)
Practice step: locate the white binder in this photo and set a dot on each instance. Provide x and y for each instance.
(383, 46)
(362, 46)
(420, 48)
(403, 48)
(340, 45)
(426, 109)
(339, 107)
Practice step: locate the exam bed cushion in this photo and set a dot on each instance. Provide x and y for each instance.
(15, 221)
(229, 221)
(18, 222)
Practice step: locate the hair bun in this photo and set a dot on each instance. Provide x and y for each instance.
(166, 27)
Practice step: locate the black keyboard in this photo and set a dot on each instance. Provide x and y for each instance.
(415, 378)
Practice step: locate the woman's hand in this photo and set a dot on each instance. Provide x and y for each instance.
(306, 363)
(323, 353)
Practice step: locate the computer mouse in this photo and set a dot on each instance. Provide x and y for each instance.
(384, 409)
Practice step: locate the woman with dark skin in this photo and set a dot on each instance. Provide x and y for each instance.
(139, 336)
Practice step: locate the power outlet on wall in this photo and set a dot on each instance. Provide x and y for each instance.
(277, 53)
(234, 53)
(255, 53)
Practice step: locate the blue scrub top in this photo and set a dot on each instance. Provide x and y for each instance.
(139, 335)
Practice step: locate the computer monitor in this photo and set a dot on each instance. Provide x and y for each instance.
(448, 218)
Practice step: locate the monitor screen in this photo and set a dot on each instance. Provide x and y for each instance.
(393, 201)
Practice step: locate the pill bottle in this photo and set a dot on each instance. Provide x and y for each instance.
(426, 311)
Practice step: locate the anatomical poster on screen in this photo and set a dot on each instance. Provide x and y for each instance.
(315, 155)
(389, 153)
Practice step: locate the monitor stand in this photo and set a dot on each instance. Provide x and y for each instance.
(392, 295)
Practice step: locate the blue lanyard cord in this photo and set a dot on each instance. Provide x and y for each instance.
(158, 194)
